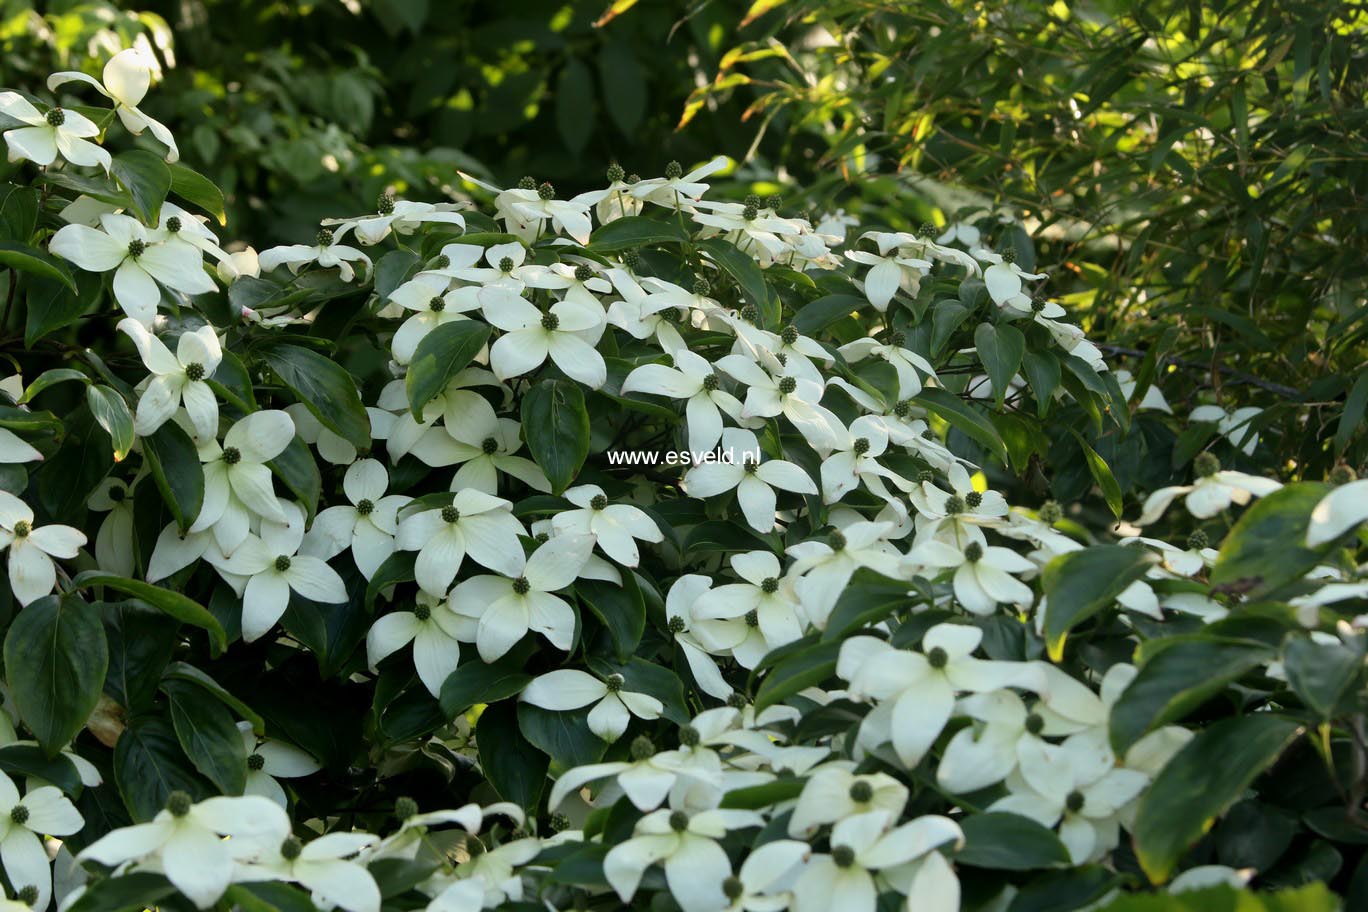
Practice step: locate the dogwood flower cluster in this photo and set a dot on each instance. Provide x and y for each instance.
(625, 608)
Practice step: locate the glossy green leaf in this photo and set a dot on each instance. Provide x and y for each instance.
(1009, 842)
(55, 661)
(174, 461)
(556, 424)
(1081, 583)
(207, 734)
(35, 262)
(1266, 547)
(147, 179)
(325, 388)
(174, 604)
(442, 354)
(1000, 348)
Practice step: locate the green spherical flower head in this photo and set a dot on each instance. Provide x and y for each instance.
(631, 259)
(749, 313)
(642, 748)
(733, 888)
(789, 335)
(291, 848)
(22, 528)
(178, 803)
(437, 304)
(546, 190)
(441, 261)
(583, 273)
(422, 612)
(752, 618)
(1075, 801)
(173, 224)
(712, 382)
(836, 541)
(136, 248)
(937, 658)
(1009, 255)
(1051, 512)
(527, 182)
(405, 807)
(365, 507)
(1341, 474)
(489, 446)
(558, 823)
(1035, 723)
(385, 204)
(324, 238)
(737, 700)
(28, 894)
(232, 455)
(615, 173)
(256, 763)
(674, 171)
(598, 502)
(897, 339)
(902, 409)
(506, 264)
(973, 499)
(282, 563)
(19, 814)
(634, 178)
(1038, 304)
(676, 624)
(450, 514)
(550, 322)
(750, 213)
(927, 230)
(774, 201)
(1197, 541)
(679, 821)
(689, 736)
(1206, 465)
(701, 286)
(973, 552)
(861, 791)
(769, 585)
(614, 683)
(521, 586)
(750, 466)
(194, 371)
(782, 359)
(542, 538)
(55, 117)
(954, 504)
(843, 856)
(860, 446)
(787, 385)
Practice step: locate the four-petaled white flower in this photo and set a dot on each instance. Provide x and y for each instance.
(32, 573)
(140, 258)
(274, 567)
(615, 526)
(127, 77)
(508, 608)
(434, 304)
(269, 760)
(326, 867)
(1214, 490)
(531, 336)
(475, 524)
(327, 251)
(44, 811)
(50, 134)
(187, 840)
(237, 482)
(568, 688)
(983, 575)
(754, 480)
(692, 379)
(435, 631)
(176, 379)
(367, 526)
(686, 846)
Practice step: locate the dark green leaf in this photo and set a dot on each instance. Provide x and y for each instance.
(556, 424)
(207, 734)
(1102, 474)
(55, 661)
(1321, 674)
(1009, 842)
(1265, 549)
(326, 389)
(442, 355)
(170, 603)
(36, 262)
(743, 270)
(1177, 676)
(1081, 583)
(147, 179)
(515, 768)
(962, 415)
(198, 190)
(1201, 781)
(635, 231)
(149, 766)
(174, 461)
(112, 414)
(475, 682)
(1000, 349)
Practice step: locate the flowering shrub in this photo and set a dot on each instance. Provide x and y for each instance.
(646, 547)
